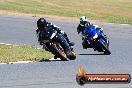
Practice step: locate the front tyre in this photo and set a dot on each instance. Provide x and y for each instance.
(104, 46)
(72, 55)
(59, 52)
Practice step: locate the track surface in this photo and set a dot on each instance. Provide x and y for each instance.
(59, 74)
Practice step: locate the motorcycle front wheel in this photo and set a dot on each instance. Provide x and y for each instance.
(104, 46)
(59, 52)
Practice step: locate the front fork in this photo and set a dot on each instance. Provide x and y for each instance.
(63, 42)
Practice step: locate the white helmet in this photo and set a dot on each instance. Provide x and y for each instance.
(83, 18)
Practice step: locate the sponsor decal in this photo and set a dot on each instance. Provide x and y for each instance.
(83, 78)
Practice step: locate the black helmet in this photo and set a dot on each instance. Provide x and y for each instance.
(41, 23)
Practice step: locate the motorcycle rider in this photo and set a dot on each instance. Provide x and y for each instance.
(42, 24)
(82, 27)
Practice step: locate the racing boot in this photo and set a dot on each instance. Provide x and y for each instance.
(67, 39)
(84, 45)
(71, 43)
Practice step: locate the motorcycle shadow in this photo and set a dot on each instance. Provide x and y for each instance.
(94, 54)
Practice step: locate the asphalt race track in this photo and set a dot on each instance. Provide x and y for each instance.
(62, 74)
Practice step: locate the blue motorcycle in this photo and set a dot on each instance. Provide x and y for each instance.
(94, 38)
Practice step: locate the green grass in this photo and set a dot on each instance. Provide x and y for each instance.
(116, 11)
(13, 53)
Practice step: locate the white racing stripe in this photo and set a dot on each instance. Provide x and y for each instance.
(53, 35)
(7, 44)
(18, 62)
(95, 36)
(52, 59)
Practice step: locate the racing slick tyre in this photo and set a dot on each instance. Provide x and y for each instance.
(72, 55)
(59, 52)
(107, 51)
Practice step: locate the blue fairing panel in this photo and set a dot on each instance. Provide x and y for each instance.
(90, 31)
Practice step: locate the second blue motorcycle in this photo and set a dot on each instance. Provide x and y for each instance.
(94, 38)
